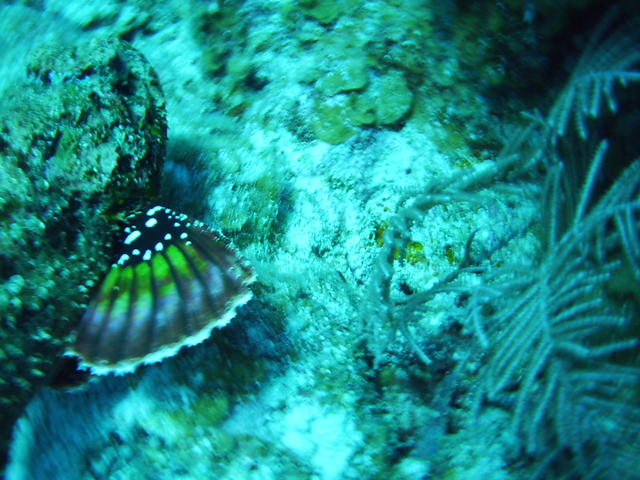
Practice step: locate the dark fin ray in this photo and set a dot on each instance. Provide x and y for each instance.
(193, 288)
(174, 280)
(219, 252)
(97, 315)
(117, 327)
(169, 320)
(137, 340)
(207, 306)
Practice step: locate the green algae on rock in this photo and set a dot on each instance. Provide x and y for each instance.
(386, 101)
(83, 134)
(390, 97)
(350, 74)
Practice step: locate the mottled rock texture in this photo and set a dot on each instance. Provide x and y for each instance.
(81, 139)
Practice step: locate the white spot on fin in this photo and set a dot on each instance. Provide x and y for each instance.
(132, 237)
(152, 211)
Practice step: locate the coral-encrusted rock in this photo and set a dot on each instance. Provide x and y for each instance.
(84, 134)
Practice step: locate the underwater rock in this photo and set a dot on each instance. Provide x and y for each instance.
(351, 75)
(386, 101)
(393, 98)
(83, 135)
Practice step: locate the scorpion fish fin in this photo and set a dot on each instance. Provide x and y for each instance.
(175, 280)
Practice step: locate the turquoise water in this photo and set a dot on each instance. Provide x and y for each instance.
(425, 259)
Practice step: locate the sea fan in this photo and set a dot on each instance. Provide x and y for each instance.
(607, 61)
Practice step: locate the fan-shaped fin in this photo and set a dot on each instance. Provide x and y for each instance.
(174, 281)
